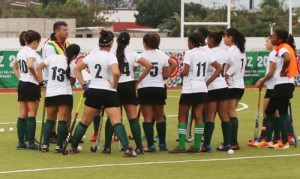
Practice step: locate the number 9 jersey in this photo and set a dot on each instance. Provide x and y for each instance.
(58, 84)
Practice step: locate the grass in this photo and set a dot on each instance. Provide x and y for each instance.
(246, 163)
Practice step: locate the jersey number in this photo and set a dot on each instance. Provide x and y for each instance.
(126, 69)
(23, 66)
(58, 74)
(98, 68)
(199, 65)
(154, 70)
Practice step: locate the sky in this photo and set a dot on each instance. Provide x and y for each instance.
(238, 3)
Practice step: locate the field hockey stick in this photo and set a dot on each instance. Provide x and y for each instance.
(256, 126)
(69, 136)
(96, 147)
(189, 124)
(42, 125)
(292, 124)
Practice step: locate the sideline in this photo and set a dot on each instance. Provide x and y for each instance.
(146, 163)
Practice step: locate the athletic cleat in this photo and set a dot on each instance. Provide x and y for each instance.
(280, 145)
(33, 146)
(224, 147)
(252, 143)
(139, 151)
(235, 147)
(45, 148)
(177, 150)
(262, 144)
(106, 150)
(21, 146)
(57, 149)
(205, 149)
(130, 153)
(291, 140)
(150, 149)
(94, 137)
(74, 151)
(163, 148)
(192, 149)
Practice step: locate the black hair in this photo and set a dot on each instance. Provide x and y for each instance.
(217, 37)
(238, 38)
(58, 24)
(105, 38)
(203, 31)
(152, 40)
(196, 39)
(71, 51)
(27, 37)
(286, 38)
(123, 41)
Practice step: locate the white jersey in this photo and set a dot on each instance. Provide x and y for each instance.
(221, 56)
(22, 58)
(198, 59)
(99, 65)
(271, 82)
(279, 63)
(236, 79)
(131, 58)
(159, 60)
(58, 84)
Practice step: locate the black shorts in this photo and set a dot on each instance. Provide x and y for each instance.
(218, 94)
(28, 91)
(268, 93)
(127, 93)
(152, 95)
(59, 100)
(97, 98)
(193, 98)
(285, 90)
(235, 93)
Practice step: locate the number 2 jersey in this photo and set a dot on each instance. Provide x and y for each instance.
(99, 65)
(198, 59)
(159, 60)
(131, 58)
(22, 58)
(58, 84)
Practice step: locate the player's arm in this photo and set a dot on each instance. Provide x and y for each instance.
(147, 65)
(185, 71)
(31, 68)
(116, 74)
(173, 65)
(260, 83)
(77, 71)
(39, 71)
(230, 67)
(286, 61)
(16, 69)
(217, 72)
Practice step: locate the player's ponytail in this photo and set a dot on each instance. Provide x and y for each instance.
(238, 38)
(123, 41)
(27, 37)
(22, 39)
(71, 51)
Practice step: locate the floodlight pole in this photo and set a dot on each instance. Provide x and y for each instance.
(290, 17)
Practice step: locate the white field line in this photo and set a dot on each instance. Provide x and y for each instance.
(146, 163)
(244, 106)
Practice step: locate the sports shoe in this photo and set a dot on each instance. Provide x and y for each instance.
(291, 140)
(163, 148)
(57, 149)
(33, 146)
(21, 146)
(106, 150)
(235, 147)
(139, 151)
(252, 143)
(177, 150)
(156, 139)
(94, 137)
(130, 153)
(262, 144)
(45, 148)
(74, 151)
(192, 149)
(280, 145)
(150, 149)
(205, 149)
(224, 147)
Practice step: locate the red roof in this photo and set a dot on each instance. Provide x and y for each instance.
(119, 26)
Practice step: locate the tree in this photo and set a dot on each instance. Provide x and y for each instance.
(171, 25)
(154, 12)
(272, 3)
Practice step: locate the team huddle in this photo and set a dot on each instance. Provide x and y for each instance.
(212, 84)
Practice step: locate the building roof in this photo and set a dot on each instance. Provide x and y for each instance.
(119, 26)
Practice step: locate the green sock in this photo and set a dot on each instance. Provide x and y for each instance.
(284, 122)
(25, 133)
(208, 132)
(226, 132)
(181, 135)
(148, 129)
(269, 126)
(30, 129)
(96, 123)
(47, 131)
(136, 132)
(199, 129)
(78, 134)
(61, 133)
(21, 127)
(234, 130)
(161, 130)
(276, 127)
(122, 136)
(109, 131)
(290, 127)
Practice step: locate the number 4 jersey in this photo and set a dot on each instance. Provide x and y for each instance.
(58, 84)
(22, 58)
